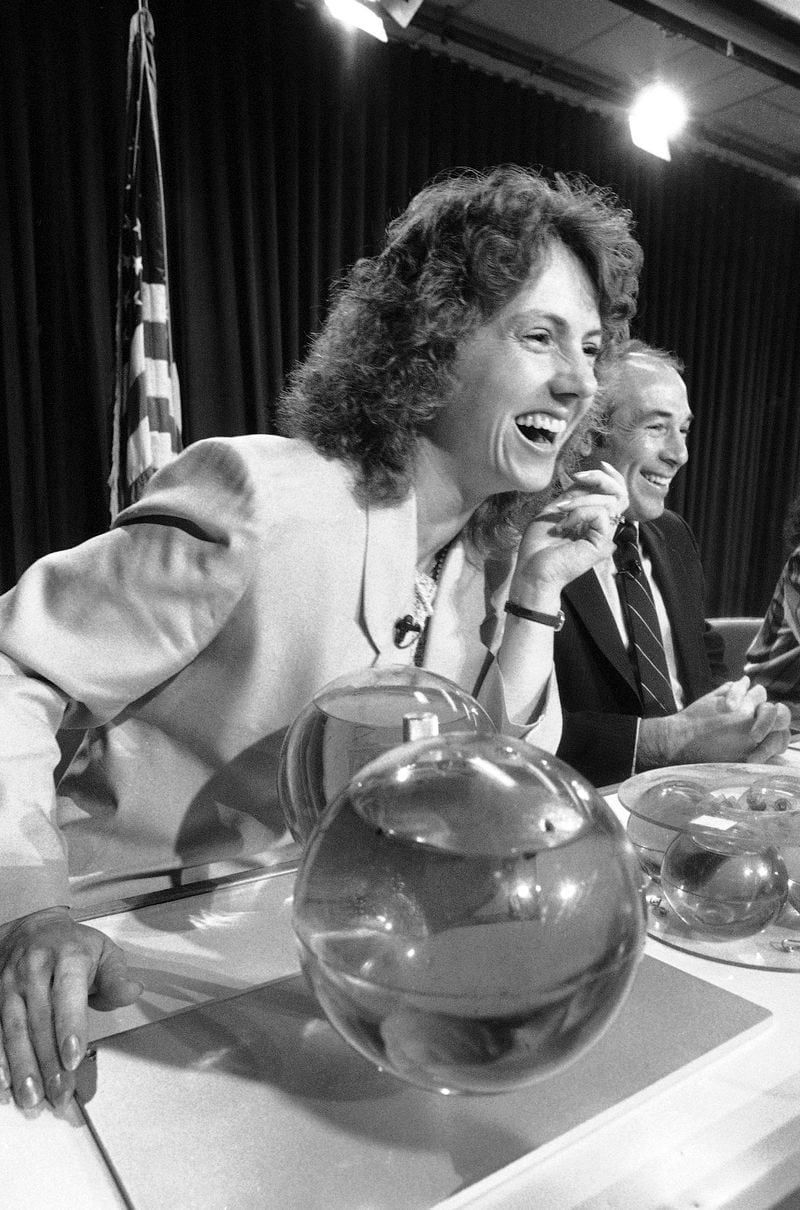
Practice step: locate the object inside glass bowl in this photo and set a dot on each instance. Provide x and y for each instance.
(771, 794)
(769, 808)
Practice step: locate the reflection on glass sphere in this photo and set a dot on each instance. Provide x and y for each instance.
(354, 719)
(469, 913)
(675, 803)
(723, 884)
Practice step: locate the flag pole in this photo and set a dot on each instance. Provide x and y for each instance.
(147, 422)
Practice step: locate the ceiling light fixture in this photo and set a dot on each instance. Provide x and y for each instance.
(401, 11)
(353, 13)
(657, 115)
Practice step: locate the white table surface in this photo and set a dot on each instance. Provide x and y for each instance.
(724, 1135)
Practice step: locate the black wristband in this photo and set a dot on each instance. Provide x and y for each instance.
(556, 620)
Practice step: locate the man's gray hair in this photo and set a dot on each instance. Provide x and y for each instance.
(620, 355)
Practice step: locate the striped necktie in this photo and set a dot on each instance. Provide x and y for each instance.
(647, 645)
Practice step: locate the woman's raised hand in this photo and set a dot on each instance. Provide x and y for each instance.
(573, 533)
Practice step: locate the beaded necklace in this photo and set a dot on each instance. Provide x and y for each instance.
(417, 623)
(427, 594)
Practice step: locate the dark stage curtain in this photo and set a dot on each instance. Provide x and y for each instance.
(286, 145)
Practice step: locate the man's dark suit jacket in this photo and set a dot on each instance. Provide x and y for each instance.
(596, 682)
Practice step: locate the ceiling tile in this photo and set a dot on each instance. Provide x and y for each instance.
(697, 68)
(760, 120)
(738, 85)
(786, 98)
(548, 24)
(633, 51)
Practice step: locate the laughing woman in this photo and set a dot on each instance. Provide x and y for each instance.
(407, 513)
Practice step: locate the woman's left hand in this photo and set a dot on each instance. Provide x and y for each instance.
(574, 532)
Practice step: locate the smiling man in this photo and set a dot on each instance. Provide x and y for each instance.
(641, 674)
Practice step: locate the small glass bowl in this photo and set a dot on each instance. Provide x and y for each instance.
(355, 718)
(723, 884)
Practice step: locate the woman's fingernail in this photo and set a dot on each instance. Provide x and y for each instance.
(71, 1052)
(29, 1094)
(59, 1090)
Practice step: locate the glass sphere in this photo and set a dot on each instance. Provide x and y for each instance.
(352, 720)
(469, 913)
(671, 805)
(794, 892)
(772, 804)
(724, 884)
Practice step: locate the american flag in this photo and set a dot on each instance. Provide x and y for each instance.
(147, 406)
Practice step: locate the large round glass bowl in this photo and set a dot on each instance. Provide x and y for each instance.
(469, 912)
(352, 720)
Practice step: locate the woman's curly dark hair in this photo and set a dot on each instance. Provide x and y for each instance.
(381, 366)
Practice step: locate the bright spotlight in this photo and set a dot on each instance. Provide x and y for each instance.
(351, 12)
(658, 114)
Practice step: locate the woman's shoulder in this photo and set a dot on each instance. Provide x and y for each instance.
(231, 490)
(246, 472)
(288, 465)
